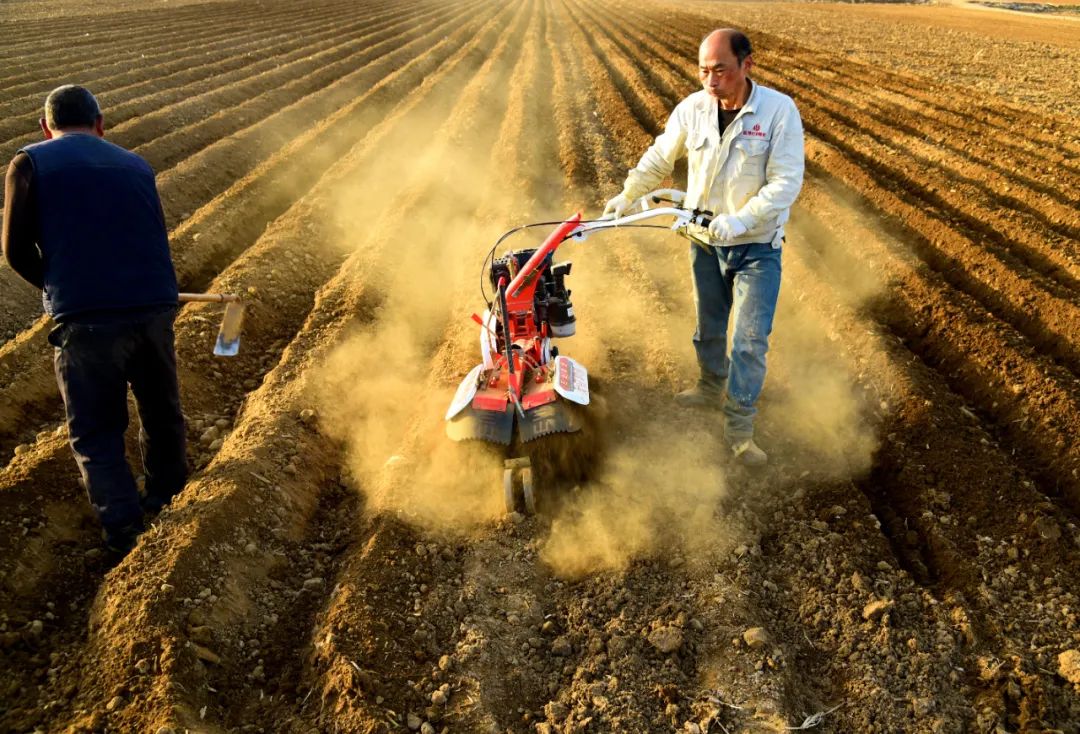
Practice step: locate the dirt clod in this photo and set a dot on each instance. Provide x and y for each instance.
(666, 639)
(1069, 666)
(756, 638)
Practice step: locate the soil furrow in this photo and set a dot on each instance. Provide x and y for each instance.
(272, 255)
(87, 30)
(198, 49)
(1047, 133)
(128, 103)
(234, 218)
(121, 73)
(1043, 312)
(960, 135)
(925, 482)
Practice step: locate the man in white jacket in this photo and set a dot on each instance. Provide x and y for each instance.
(744, 144)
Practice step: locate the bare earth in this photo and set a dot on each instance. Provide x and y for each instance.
(906, 563)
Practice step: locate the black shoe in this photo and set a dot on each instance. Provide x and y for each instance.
(702, 395)
(121, 540)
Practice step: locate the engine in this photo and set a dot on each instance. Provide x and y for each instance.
(551, 298)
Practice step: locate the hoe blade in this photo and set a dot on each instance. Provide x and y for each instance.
(228, 338)
(544, 420)
(482, 425)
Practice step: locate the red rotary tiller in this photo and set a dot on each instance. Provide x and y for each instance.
(522, 379)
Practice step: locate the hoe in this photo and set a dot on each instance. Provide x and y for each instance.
(524, 389)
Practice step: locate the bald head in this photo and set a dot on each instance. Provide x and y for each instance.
(725, 40)
(723, 62)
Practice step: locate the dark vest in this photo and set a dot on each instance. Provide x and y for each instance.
(102, 235)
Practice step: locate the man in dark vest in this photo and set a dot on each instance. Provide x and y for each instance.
(83, 222)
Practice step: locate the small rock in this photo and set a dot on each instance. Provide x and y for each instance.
(167, 588)
(444, 662)
(1047, 528)
(1069, 666)
(427, 728)
(207, 656)
(666, 639)
(314, 583)
(210, 435)
(143, 666)
(114, 703)
(873, 611)
(166, 730)
(37, 627)
(547, 627)
(561, 646)
(93, 553)
(203, 635)
(413, 722)
(307, 415)
(439, 697)
(923, 706)
(21, 449)
(756, 638)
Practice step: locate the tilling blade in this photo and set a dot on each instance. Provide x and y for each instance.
(546, 419)
(482, 425)
(228, 338)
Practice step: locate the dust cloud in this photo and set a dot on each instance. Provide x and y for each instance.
(658, 491)
(419, 225)
(656, 488)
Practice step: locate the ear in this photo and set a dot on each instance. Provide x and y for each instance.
(45, 128)
(748, 63)
(99, 126)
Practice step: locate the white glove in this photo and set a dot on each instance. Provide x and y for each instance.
(726, 228)
(615, 208)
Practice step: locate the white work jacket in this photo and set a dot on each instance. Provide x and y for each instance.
(754, 171)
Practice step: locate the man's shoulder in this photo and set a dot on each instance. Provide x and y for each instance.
(698, 99)
(79, 148)
(773, 97)
(693, 106)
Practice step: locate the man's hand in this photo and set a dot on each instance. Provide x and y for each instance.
(615, 208)
(726, 228)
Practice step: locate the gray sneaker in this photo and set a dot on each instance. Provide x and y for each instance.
(701, 395)
(748, 453)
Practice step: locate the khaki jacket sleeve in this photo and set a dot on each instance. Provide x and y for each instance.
(783, 171)
(659, 160)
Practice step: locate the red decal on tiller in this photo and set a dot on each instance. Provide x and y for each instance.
(566, 376)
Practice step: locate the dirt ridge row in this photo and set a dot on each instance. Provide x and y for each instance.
(189, 76)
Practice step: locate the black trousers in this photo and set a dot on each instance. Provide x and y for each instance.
(95, 363)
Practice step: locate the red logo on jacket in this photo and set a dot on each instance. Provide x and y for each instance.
(755, 132)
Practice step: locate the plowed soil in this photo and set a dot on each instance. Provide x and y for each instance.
(908, 560)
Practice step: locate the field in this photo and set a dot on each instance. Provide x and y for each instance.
(908, 561)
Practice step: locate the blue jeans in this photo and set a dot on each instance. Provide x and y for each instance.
(743, 280)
